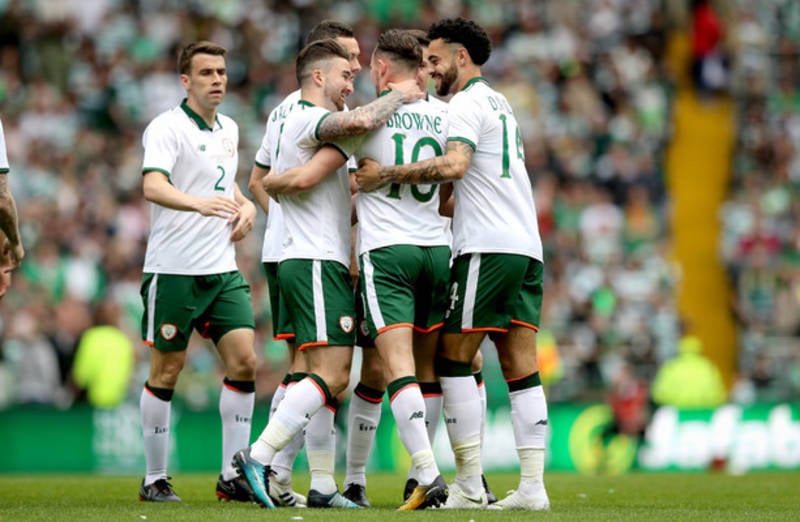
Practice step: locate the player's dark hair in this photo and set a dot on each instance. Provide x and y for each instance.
(463, 32)
(316, 52)
(420, 35)
(329, 29)
(201, 47)
(401, 47)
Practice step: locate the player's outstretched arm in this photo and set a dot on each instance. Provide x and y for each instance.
(304, 177)
(157, 189)
(370, 116)
(441, 169)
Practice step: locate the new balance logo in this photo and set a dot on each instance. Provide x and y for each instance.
(450, 420)
(542, 422)
(241, 419)
(161, 429)
(366, 427)
(417, 415)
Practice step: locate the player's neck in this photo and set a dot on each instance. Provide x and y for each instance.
(209, 115)
(318, 98)
(393, 78)
(466, 75)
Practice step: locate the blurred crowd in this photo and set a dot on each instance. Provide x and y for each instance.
(588, 81)
(761, 217)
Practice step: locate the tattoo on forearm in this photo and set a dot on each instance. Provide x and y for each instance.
(434, 170)
(363, 119)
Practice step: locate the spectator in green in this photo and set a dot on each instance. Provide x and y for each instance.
(690, 380)
(104, 359)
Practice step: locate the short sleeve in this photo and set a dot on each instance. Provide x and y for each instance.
(160, 148)
(4, 168)
(464, 118)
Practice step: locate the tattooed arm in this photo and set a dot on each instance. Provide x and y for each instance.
(441, 169)
(9, 224)
(370, 116)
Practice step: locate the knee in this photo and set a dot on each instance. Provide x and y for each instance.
(242, 367)
(338, 380)
(338, 385)
(372, 371)
(165, 375)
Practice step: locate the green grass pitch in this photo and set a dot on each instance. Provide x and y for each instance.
(767, 496)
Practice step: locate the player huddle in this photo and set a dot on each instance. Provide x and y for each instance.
(428, 291)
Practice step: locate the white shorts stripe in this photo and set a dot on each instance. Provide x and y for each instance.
(470, 291)
(319, 300)
(151, 309)
(373, 306)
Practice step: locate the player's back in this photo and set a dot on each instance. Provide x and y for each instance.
(403, 213)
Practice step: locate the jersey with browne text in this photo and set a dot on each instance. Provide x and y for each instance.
(202, 162)
(494, 210)
(402, 214)
(317, 220)
(4, 168)
(275, 234)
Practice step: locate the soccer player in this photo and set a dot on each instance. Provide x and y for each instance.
(403, 252)
(280, 481)
(424, 353)
(313, 272)
(12, 251)
(496, 280)
(337, 125)
(190, 280)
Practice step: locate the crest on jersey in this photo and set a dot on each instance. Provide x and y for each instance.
(168, 331)
(346, 323)
(227, 146)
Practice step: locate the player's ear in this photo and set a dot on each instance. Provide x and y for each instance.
(318, 76)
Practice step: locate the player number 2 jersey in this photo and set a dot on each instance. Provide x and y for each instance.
(201, 162)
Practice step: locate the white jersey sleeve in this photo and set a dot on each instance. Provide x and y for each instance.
(161, 147)
(4, 168)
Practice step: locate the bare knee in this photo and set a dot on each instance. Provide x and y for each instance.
(242, 367)
(372, 369)
(165, 369)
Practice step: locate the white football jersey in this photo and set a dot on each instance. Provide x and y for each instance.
(494, 208)
(275, 233)
(317, 220)
(201, 162)
(3, 155)
(403, 214)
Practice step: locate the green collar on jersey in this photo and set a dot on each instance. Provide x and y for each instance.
(306, 103)
(197, 118)
(475, 80)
